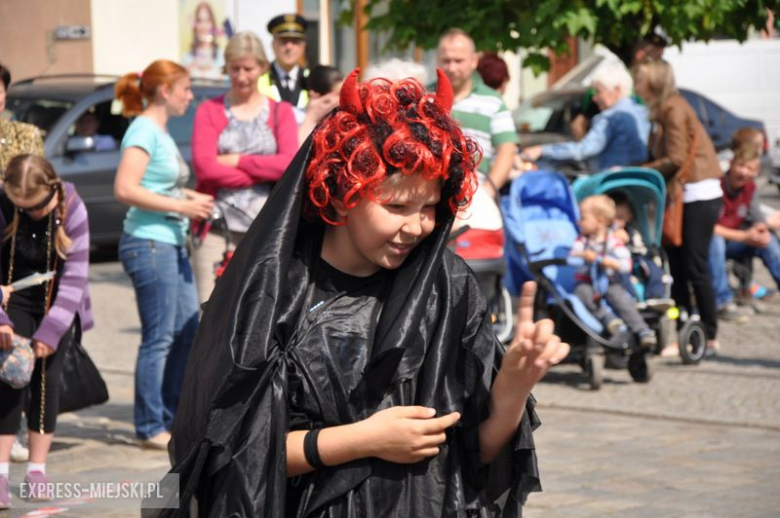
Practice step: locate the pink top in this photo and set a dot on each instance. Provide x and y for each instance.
(210, 175)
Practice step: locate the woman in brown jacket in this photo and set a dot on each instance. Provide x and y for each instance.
(679, 137)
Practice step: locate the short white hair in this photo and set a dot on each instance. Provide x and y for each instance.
(395, 69)
(614, 75)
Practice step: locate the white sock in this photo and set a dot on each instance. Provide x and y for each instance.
(5, 468)
(31, 466)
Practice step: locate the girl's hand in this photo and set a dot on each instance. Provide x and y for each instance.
(406, 434)
(189, 194)
(6, 336)
(621, 235)
(197, 208)
(41, 349)
(535, 348)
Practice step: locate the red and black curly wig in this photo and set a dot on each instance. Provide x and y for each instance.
(383, 128)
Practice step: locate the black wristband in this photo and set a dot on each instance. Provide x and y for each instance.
(310, 450)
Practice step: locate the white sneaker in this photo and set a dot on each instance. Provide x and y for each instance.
(18, 452)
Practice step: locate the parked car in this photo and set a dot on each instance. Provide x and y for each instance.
(55, 103)
(546, 117)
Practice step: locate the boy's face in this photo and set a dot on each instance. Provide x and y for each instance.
(590, 225)
(382, 234)
(743, 172)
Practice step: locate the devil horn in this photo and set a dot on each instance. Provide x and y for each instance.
(349, 99)
(443, 91)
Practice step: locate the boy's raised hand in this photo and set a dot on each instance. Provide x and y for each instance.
(535, 347)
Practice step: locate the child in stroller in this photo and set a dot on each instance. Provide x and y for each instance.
(607, 260)
(647, 282)
(541, 218)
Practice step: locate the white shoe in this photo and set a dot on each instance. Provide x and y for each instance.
(18, 452)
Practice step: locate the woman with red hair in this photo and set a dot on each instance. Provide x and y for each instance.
(345, 365)
(151, 179)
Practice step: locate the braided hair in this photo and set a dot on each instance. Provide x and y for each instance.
(27, 177)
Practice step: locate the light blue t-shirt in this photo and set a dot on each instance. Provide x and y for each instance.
(166, 174)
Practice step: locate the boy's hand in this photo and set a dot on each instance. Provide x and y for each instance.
(406, 434)
(590, 256)
(758, 236)
(535, 348)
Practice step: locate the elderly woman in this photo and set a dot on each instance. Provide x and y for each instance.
(680, 142)
(618, 134)
(241, 144)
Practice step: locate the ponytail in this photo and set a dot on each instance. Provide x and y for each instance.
(128, 91)
(133, 89)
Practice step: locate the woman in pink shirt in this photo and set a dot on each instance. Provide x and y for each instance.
(241, 144)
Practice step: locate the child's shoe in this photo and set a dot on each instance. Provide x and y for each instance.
(615, 326)
(647, 339)
(5, 493)
(659, 305)
(39, 488)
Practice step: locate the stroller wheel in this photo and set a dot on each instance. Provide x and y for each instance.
(594, 370)
(640, 370)
(692, 342)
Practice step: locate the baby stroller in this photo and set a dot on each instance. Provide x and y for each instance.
(479, 239)
(646, 192)
(541, 218)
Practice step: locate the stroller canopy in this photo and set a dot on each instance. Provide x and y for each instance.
(645, 189)
(541, 217)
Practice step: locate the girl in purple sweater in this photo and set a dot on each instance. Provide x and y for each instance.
(44, 227)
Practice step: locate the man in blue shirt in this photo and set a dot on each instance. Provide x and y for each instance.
(618, 134)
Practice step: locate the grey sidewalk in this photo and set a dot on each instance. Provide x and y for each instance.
(694, 442)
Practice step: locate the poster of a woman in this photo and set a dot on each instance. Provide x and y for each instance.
(204, 30)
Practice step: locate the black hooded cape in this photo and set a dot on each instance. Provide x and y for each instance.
(425, 341)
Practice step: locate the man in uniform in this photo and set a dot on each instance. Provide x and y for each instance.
(286, 79)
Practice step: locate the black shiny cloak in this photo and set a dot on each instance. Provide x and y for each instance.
(426, 343)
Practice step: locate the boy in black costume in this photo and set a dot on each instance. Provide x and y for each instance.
(345, 365)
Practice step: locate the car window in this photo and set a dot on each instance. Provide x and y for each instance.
(40, 112)
(532, 119)
(102, 124)
(552, 114)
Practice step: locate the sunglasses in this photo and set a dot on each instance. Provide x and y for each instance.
(38, 206)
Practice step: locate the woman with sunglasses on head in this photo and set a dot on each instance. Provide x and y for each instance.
(45, 228)
(151, 179)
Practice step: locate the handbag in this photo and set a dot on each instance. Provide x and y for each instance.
(672, 230)
(17, 363)
(81, 384)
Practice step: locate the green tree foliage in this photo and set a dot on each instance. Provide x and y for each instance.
(546, 24)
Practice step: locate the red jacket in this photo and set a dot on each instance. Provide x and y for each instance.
(210, 175)
(736, 205)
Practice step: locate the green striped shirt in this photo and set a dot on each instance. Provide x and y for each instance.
(484, 117)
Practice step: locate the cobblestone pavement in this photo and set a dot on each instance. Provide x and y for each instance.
(696, 441)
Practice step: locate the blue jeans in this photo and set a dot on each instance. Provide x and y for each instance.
(168, 307)
(720, 250)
